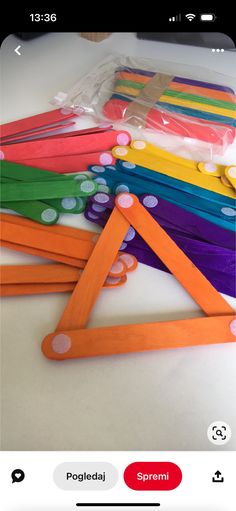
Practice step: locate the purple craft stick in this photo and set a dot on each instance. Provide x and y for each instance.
(104, 199)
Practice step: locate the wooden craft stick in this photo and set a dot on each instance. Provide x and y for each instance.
(36, 121)
(48, 132)
(23, 191)
(172, 170)
(61, 146)
(77, 311)
(115, 340)
(146, 147)
(129, 262)
(38, 211)
(21, 172)
(46, 274)
(72, 163)
(230, 173)
(176, 261)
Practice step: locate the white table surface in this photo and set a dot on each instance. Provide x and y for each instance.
(151, 401)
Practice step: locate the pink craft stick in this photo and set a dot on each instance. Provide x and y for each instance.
(71, 163)
(35, 122)
(65, 146)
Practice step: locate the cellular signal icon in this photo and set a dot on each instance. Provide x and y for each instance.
(175, 18)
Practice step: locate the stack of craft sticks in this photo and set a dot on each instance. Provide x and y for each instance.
(67, 245)
(194, 202)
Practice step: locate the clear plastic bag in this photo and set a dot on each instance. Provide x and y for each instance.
(189, 112)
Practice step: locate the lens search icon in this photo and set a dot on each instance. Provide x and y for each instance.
(17, 475)
(219, 433)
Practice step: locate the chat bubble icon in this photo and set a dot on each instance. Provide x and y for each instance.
(17, 475)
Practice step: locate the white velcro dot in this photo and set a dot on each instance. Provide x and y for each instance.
(68, 203)
(61, 343)
(210, 167)
(48, 215)
(139, 144)
(232, 172)
(123, 139)
(104, 188)
(80, 177)
(100, 181)
(123, 246)
(102, 198)
(125, 200)
(130, 234)
(122, 188)
(228, 211)
(97, 168)
(117, 267)
(128, 259)
(232, 327)
(97, 208)
(80, 202)
(150, 201)
(121, 151)
(87, 186)
(112, 280)
(92, 216)
(128, 165)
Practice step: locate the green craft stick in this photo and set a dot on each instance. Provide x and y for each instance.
(25, 173)
(199, 99)
(53, 189)
(35, 210)
(73, 205)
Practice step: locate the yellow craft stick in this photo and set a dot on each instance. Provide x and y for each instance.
(172, 170)
(211, 169)
(230, 173)
(161, 154)
(198, 106)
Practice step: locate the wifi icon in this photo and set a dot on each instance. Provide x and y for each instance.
(190, 17)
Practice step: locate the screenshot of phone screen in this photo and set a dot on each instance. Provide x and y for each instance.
(118, 323)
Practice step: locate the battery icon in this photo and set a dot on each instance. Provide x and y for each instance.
(207, 17)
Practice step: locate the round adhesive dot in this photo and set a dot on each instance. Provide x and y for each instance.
(97, 208)
(105, 158)
(125, 201)
(130, 234)
(128, 165)
(48, 215)
(87, 186)
(228, 211)
(150, 201)
(97, 168)
(101, 197)
(100, 181)
(123, 246)
(111, 167)
(123, 139)
(122, 188)
(61, 343)
(112, 280)
(128, 259)
(121, 151)
(68, 203)
(80, 177)
(139, 144)
(92, 216)
(80, 202)
(225, 181)
(117, 267)
(210, 167)
(232, 172)
(232, 327)
(103, 188)
(2, 156)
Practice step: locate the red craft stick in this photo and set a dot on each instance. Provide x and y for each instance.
(34, 122)
(61, 146)
(50, 130)
(71, 163)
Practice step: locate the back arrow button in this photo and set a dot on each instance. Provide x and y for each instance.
(17, 50)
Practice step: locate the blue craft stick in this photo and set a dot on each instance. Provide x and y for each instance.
(197, 113)
(165, 193)
(169, 193)
(151, 175)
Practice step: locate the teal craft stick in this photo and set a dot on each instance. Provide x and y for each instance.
(35, 210)
(197, 113)
(113, 180)
(151, 175)
(23, 191)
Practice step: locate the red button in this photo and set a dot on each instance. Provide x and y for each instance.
(151, 476)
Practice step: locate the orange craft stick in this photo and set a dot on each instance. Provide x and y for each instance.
(115, 340)
(201, 290)
(85, 294)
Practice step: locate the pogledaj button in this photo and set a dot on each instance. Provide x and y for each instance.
(85, 476)
(153, 476)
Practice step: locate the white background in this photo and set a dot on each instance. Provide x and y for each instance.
(152, 401)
